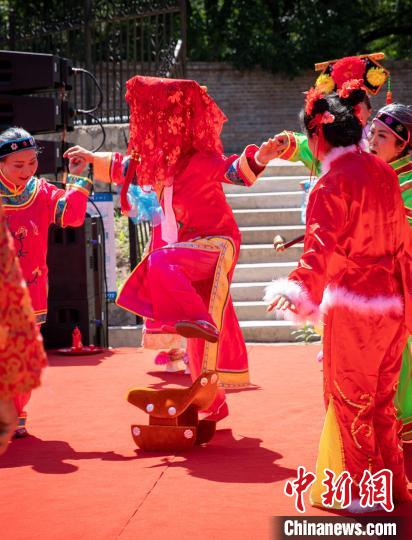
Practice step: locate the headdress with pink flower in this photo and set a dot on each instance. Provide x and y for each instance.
(312, 97)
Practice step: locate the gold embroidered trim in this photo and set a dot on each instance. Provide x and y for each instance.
(355, 429)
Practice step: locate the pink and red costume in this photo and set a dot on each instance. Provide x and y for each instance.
(175, 128)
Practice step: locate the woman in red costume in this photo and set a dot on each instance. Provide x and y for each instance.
(31, 205)
(21, 350)
(356, 263)
(184, 281)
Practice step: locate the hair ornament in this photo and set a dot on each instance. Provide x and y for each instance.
(321, 118)
(312, 96)
(348, 68)
(349, 86)
(325, 83)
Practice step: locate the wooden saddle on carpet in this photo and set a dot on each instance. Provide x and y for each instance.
(174, 423)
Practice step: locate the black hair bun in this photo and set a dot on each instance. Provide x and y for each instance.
(320, 106)
(356, 96)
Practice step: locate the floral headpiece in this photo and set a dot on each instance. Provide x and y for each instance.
(347, 69)
(313, 95)
(349, 86)
(364, 67)
(321, 118)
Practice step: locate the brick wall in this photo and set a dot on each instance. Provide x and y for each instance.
(257, 103)
(260, 104)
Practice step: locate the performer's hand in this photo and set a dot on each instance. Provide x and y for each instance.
(76, 165)
(272, 148)
(79, 152)
(8, 423)
(281, 303)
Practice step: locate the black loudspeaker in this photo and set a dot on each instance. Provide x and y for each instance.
(49, 78)
(36, 114)
(51, 158)
(76, 285)
(23, 72)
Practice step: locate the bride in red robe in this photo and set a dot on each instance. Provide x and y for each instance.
(184, 281)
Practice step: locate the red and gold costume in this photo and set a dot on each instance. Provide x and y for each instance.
(356, 269)
(30, 210)
(22, 355)
(175, 128)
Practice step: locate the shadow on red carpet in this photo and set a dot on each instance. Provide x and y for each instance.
(228, 460)
(56, 360)
(48, 457)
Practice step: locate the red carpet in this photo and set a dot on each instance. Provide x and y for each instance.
(79, 475)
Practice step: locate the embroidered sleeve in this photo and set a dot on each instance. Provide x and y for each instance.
(22, 355)
(68, 207)
(109, 167)
(243, 170)
(297, 149)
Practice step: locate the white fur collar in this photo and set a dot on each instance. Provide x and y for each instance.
(334, 154)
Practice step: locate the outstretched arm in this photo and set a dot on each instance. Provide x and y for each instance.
(108, 166)
(245, 169)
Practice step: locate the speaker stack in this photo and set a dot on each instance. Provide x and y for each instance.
(76, 285)
(34, 94)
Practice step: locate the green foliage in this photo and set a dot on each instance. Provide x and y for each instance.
(284, 36)
(306, 333)
(121, 228)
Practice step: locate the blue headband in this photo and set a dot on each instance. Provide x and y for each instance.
(16, 145)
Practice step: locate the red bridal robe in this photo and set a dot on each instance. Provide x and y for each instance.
(206, 228)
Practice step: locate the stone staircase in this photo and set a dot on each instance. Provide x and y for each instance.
(270, 207)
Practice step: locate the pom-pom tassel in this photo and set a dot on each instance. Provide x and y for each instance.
(162, 358)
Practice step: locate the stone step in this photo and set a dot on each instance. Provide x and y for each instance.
(259, 272)
(266, 331)
(125, 336)
(267, 184)
(274, 199)
(265, 235)
(268, 216)
(248, 292)
(281, 167)
(263, 331)
(255, 311)
(259, 253)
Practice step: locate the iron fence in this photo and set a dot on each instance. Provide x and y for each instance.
(114, 40)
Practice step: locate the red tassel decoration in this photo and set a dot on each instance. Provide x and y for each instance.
(131, 171)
